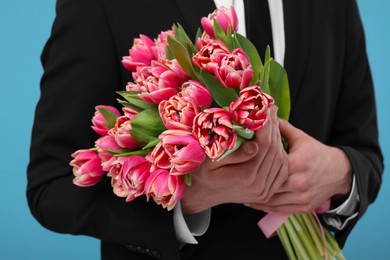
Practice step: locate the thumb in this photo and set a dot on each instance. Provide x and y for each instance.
(288, 131)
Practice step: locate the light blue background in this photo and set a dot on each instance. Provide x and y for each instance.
(24, 28)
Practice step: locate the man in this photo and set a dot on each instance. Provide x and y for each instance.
(332, 103)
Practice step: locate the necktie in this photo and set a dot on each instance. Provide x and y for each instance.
(258, 24)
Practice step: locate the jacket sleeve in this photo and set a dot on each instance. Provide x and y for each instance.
(81, 71)
(355, 127)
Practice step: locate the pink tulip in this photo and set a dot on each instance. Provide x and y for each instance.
(158, 82)
(208, 56)
(99, 122)
(178, 151)
(87, 168)
(161, 43)
(214, 130)
(178, 113)
(250, 109)
(129, 112)
(159, 158)
(105, 144)
(234, 70)
(142, 53)
(165, 189)
(128, 175)
(195, 92)
(184, 150)
(225, 17)
(121, 133)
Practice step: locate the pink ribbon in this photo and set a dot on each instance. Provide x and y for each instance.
(272, 221)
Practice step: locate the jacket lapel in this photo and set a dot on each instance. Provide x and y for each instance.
(192, 11)
(297, 34)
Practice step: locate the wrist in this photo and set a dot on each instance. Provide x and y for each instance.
(344, 172)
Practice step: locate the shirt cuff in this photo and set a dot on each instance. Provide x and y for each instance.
(339, 217)
(186, 227)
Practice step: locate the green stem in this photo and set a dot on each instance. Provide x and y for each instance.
(305, 238)
(313, 233)
(332, 245)
(314, 224)
(295, 239)
(286, 242)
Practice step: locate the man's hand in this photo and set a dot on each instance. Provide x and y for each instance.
(317, 172)
(249, 175)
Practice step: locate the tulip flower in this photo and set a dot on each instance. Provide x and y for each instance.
(208, 56)
(178, 113)
(158, 82)
(142, 53)
(128, 175)
(121, 133)
(99, 122)
(164, 188)
(250, 109)
(196, 93)
(214, 130)
(161, 43)
(178, 152)
(224, 16)
(105, 144)
(234, 70)
(87, 168)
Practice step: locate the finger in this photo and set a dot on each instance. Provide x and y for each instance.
(265, 169)
(275, 167)
(280, 179)
(278, 156)
(289, 132)
(244, 153)
(265, 137)
(287, 209)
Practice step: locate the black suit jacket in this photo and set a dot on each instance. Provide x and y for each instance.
(332, 100)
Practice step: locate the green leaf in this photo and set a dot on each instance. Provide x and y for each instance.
(279, 87)
(222, 36)
(244, 132)
(237, 145)
(187, 179)
(264, 78)
(168, 53)
(222, 96)
(182, 56)
(128, 104)
(185, 40)
(147, 126)
(253, 55)
(267, 55)
(139, 152)
(198, 34)
(133, 98)
(109, 116)
(151, 144)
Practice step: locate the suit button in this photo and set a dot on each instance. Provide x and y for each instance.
(131, 248)
(148, 252)
(155, 254)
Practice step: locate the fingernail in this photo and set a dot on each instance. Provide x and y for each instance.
(249, 147)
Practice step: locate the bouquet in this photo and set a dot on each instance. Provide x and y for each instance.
(188, 101)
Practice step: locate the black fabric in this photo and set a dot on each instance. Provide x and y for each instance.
(233, 223)
(332, 100)
(258, 24)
